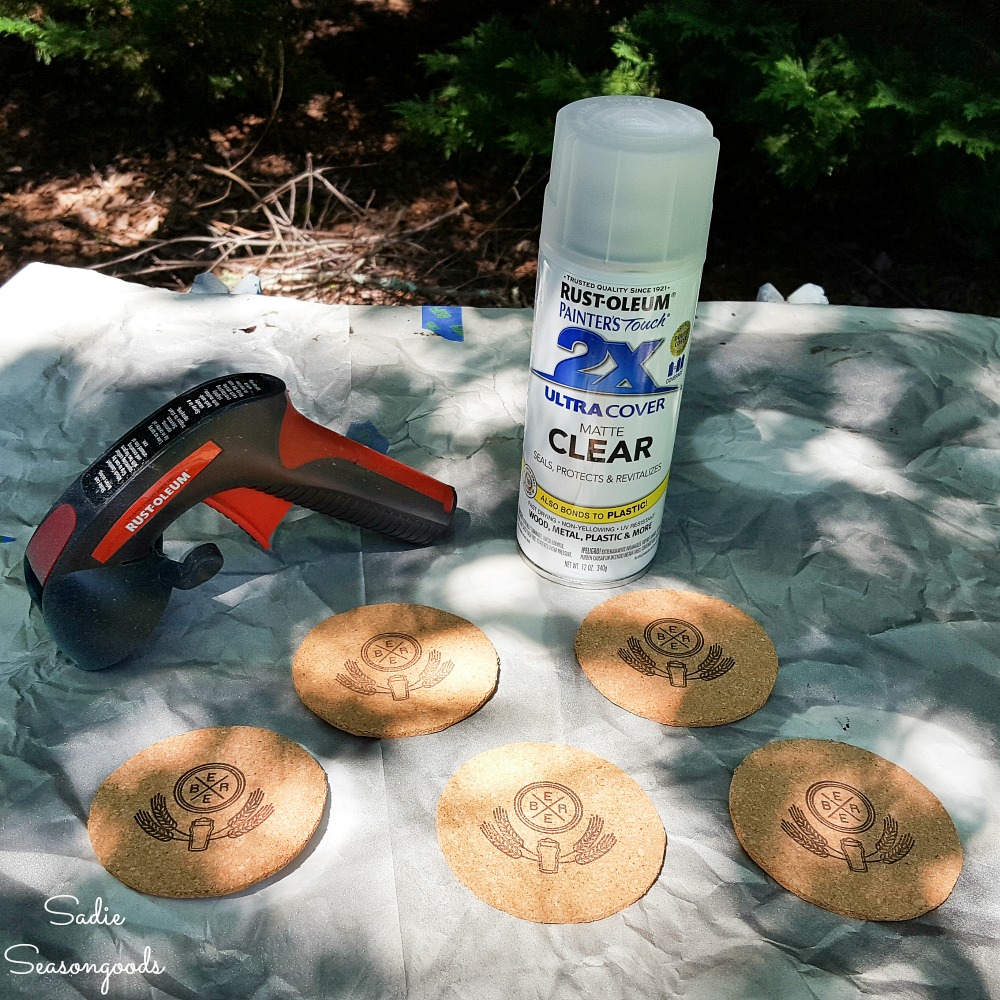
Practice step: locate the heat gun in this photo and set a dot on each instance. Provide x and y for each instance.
(95, 566)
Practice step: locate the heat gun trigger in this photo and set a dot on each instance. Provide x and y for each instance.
(197, 567)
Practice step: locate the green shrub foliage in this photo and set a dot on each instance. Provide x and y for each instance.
(839, 97)
(161, 49)
(504, 86)
(820, 95)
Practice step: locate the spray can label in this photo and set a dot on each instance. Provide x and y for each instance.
(608, 359)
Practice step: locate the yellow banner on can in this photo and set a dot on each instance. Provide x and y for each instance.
(599, 515)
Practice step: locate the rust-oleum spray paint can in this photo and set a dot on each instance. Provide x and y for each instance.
(624, 231)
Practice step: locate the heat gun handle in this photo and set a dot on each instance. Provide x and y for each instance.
(397, 516)
(324, 471)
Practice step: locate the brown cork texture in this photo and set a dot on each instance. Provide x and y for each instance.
(845, 829)
(550, 833)
(676, 657)
(207, 813)
(395, 670)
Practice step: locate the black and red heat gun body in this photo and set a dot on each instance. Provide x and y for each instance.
(95, 565)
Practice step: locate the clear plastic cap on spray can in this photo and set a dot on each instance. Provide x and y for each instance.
(631, 183)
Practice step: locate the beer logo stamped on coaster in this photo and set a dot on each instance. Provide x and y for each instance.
(207, 788)
(395, 670)
(673, 638)
(391, 651)
(548, 807)
(207, 813)
(845, 829)
(680, 658)
(550, 833)
(845, 810)
(394, 652)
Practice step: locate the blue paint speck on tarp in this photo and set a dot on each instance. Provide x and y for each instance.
(366, 433)
(445, 321)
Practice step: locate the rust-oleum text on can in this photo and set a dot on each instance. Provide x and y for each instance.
(624, 231)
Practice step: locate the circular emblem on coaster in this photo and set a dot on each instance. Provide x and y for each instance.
(672, 637)
(550, 833)
(840, 807)
(209, 787)
(845, 829)
(549, 807)
(680, 658)
(395, 670)
(391, 651)
(207, 813)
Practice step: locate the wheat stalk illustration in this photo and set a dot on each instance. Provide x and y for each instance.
(435, 671)
(160, 825)
(805, 835)
(890, 829)
(248, 818)
(890, 846)
(635, 656)
(503, 836)
(900, 851)
(357, 680)
(593, 844)
(714, 665)
(158, 803)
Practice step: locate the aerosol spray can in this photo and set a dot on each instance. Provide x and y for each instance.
(624, 231)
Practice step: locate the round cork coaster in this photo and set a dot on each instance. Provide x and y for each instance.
(845, 829)
(208, 812)
(395, 670)
(677, 657)
(550, 833)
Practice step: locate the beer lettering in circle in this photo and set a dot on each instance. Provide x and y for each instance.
(674, 637)
(391, 651)
(548, 807)
(840, 807)
(209, 787)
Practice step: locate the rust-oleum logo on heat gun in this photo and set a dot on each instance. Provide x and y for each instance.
(155, 499)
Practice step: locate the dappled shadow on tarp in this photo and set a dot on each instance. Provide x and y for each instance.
(834, 482)
(838, 484)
